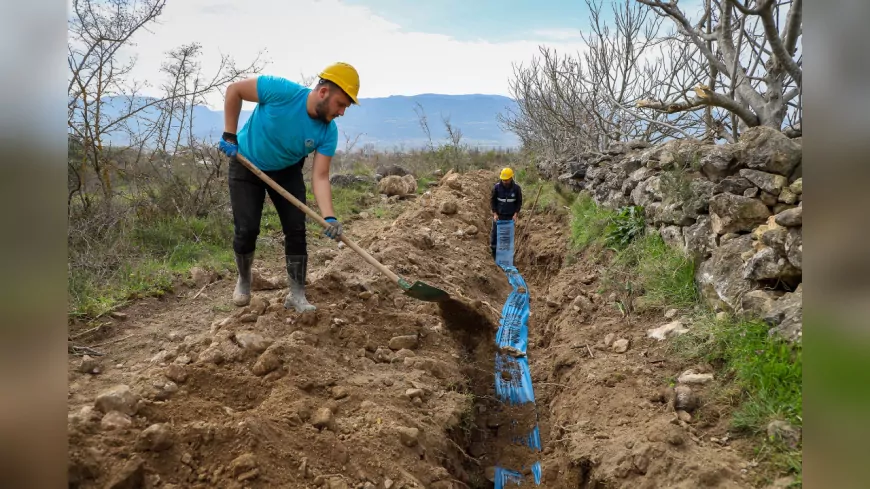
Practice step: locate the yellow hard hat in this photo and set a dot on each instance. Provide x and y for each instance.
(506, 174)
(345, 76)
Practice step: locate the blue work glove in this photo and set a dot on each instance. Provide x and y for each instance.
(229, 145)
(334, 229)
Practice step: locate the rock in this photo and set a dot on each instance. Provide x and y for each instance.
(786, 482)
(722, 161)
(685, 399)
(348, 180)
(671, 313)
(471, 230)
(202, 277)
(791, 218)
(448, 207)
(751, 192)
(582, 304)
(720, 279)
(766, 149)
(402, 354)
(757, 303)
(733, 185)
(365, 295)
(176, 373)
(608, 339)
(394, 185)
(453, 181)
(339, 392)
(336, 483)
(787, 196)
(323, 419)
(252, 342)
(117, 398)
(794, 248)
(116, 420)
(388, 483)
(644, 193)
(620, 345)
(673, 235)
(768, 198)
(684, 416)
(267, 362)
(383, 355)
(774, 237)
(797, 187)
(769, 182)
(767, 264)
(409, 436)
(414, 393)
(409, 342)
(156, 438)
(700, 240)
(786, 315)
(244, 463)
(89, 365)
(666, 331)
(783, 432)
(391, 170)
(731, 213)
(301, 337)
(260, 282)
(691, 378)
(131, 476)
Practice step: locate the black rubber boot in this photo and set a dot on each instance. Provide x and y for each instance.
(242, 294)
(297, 268)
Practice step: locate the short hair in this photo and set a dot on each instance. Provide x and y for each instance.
(333, 87)
(328, 83)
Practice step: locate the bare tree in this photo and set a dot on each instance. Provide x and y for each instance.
(588, 101)
(734, 67)
(102, 101)
(424, 124)
(750, 58)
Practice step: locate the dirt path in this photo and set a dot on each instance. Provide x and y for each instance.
(378, 390)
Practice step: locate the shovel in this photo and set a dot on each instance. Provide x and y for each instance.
(417, 290)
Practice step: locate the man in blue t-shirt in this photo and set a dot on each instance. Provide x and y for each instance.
(289, 123)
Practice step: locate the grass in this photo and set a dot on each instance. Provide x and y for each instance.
(152, 257)
(759, 375)
(149, 253)
(588, 222)
(552, 195)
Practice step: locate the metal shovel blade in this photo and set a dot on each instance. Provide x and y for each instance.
(423, 292)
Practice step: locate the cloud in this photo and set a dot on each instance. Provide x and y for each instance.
(559, 34)
(303, 36)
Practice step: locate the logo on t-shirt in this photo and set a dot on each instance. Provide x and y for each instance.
(309, 143)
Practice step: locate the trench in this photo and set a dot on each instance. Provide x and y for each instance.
(499, 436)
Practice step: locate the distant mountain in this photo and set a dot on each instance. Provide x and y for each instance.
(387, 122)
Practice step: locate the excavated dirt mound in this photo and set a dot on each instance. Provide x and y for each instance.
(375, 389)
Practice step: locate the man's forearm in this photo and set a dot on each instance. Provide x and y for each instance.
(323, 195)
(232, 109)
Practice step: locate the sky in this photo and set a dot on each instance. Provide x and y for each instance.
(399, 47)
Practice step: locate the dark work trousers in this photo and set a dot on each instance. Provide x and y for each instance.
(247, 195)
(493, 239)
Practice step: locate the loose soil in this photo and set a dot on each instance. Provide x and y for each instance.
(375, 389)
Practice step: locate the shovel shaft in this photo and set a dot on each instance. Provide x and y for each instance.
(316, 217)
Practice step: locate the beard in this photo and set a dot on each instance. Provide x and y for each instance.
(321, 111)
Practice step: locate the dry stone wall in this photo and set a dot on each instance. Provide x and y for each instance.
(737, 209)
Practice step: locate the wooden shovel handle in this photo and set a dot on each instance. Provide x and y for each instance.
(313, 215)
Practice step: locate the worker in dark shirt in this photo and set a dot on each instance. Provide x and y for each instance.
(506, 201)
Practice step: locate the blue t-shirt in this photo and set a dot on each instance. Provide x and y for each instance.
(280, 132)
